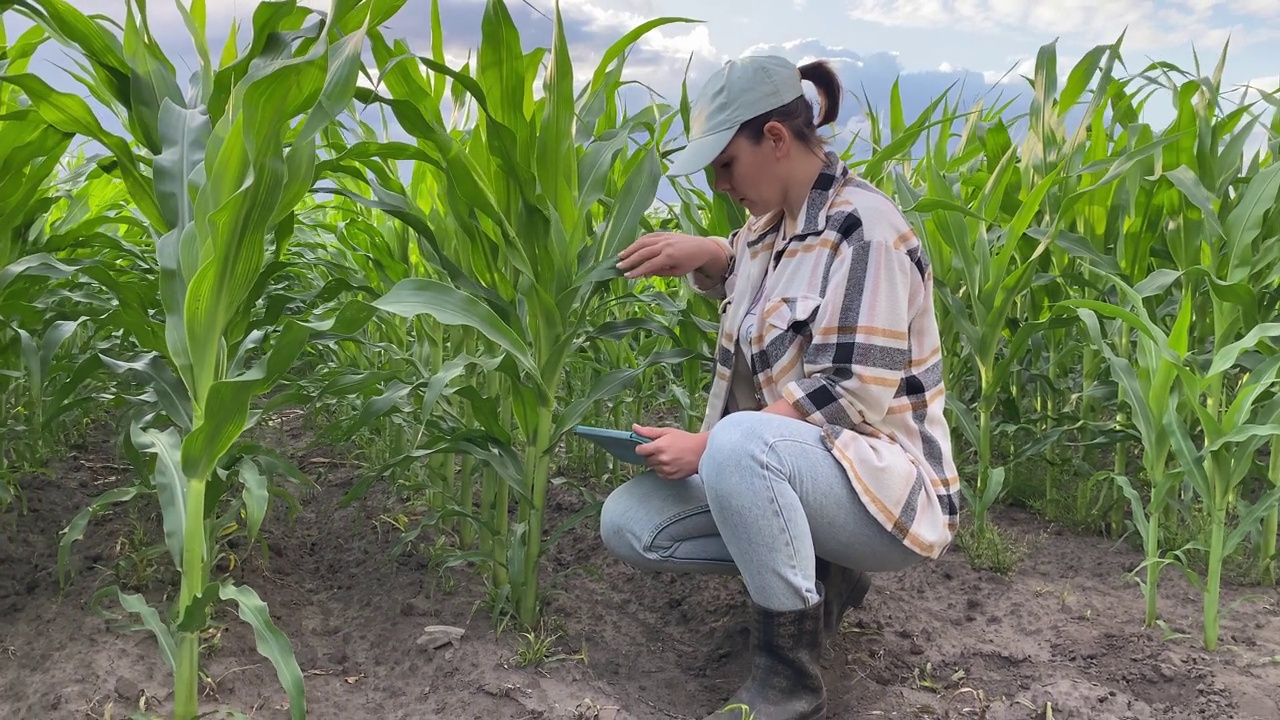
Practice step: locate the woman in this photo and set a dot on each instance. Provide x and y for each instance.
(824, 453)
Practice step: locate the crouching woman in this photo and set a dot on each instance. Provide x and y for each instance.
(824, 454)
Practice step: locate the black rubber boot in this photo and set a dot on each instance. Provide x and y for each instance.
(786, 680)
(845, 589)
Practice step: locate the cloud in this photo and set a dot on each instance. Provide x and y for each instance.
(869, 78)
(1252, 91)
(1149, 23)
(659, 62)
(664, 57)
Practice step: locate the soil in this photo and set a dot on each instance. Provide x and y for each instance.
(1061, 638)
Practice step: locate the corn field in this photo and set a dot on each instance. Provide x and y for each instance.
(251, 242)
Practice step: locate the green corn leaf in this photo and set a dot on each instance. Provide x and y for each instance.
(1244, 223)
(269, 18)
(195, 18)
(137, 604)
(340, 83)
(1191, 460)
(499, 56)
(152, 83)
(557, 170)
(225, 417)
(1225, 357)
(67, 397)
(170, 483)
(418, 296)
(1257, 385)
(1248, 521)
(271, 643)
(184, 134)
(70, 113)
(75, 529)
(633, 200)
(610, 384)
(1186, 181)
(596, 166)
(170, 393)
(255, 495)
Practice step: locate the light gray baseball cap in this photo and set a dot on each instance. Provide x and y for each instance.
(740, 90)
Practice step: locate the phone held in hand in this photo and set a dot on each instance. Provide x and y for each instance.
(618, 443)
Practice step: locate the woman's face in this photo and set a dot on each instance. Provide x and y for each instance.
(751, 173)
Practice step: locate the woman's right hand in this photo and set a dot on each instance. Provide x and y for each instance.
(671, 255)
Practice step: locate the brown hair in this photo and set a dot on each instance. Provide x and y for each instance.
(797, 115)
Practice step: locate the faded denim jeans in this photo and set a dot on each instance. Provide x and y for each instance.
(767, 497)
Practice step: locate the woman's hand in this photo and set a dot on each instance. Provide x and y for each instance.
(674, 454)
(672, 255)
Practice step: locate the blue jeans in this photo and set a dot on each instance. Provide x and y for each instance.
(767, 497)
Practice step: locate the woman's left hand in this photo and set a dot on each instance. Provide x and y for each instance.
(674, 454)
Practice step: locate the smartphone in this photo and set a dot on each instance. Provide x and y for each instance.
(618, 443)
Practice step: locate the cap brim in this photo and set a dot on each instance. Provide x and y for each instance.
(700, 153)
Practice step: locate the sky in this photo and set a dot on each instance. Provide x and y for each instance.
(983, 47)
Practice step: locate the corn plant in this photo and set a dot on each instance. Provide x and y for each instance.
(229, 161)
(990, 232)
(249, 242)
(1180, 392)
(1146, 390)
(521, 215)
(30, 154)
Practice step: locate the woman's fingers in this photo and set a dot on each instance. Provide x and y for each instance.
(648, 261)
(639, 256)
(645, 241)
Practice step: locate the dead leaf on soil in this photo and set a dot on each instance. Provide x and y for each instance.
(588, 710)
(436, 636)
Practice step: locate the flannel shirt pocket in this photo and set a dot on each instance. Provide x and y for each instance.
(785, 333)
(790, 313)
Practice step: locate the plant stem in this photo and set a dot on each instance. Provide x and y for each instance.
(186, 675)
(1088, 411)
(984, 462)
(499, 510)
(537, 468)
(186, 688)
(1267, 548)
(1216, 540)
(1213, 587)
(466, 501)
(1121, 464)
(1153, 545)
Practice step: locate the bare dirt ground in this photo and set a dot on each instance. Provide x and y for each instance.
(1062, 638)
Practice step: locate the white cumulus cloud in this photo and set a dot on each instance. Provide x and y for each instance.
(1252, 91)
(1149, 23)
(869, 78)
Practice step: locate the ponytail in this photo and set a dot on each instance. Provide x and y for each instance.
(826, 81)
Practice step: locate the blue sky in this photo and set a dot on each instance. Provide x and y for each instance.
(928, 44)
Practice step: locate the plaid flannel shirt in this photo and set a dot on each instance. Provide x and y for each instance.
(846, 333)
